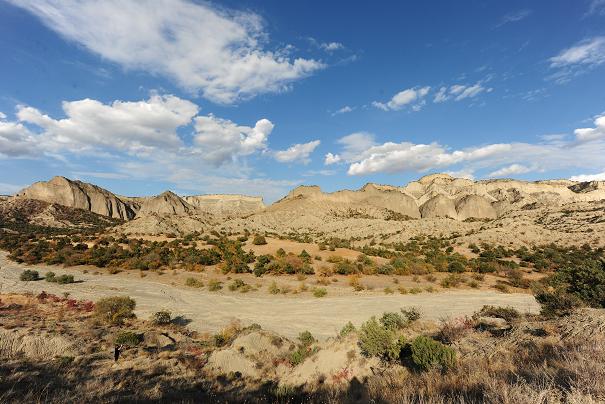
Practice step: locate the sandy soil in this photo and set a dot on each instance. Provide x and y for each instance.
(287, 315)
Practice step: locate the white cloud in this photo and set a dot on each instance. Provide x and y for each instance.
(298, 152)
(585, 150)
(404, 98)
(588, 177)
(576, 60)
(134, 127)
(16, 140)
(589, 52)
(510, 170)
(459, 92)
(514, 17)
(331, 46)
(221, 140)
(589, 134)
(332, 159)
(405, 156)
(219, 52)
(343, 110)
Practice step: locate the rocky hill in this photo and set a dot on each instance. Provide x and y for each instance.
(81, 195)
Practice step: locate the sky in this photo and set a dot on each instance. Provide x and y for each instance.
(258, 97)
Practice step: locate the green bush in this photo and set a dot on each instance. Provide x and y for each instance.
(161, 318)
(586, 282)
(115, 309)
(347, 329)
(428, 353)
(557, 303)
(306, 338)
(50, 277)
(214, 285)
(456, 267)
(128, 338)
(194, 283)
(64, 279)
(319, 292)
(393, 321)
(375, 339)
(29, 275)
(412, 314)
(259, 240)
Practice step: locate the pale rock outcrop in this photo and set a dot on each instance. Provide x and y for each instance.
(475, 207)
(439, 206)
(167, 203)
(226, 205)
(77, 194)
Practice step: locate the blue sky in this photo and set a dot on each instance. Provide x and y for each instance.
(259, 97)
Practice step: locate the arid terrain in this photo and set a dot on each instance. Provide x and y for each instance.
(437, 291)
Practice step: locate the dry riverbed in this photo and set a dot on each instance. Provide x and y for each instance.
(287, 315)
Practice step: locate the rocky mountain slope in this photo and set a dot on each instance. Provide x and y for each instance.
(502, 211)
(81, 195)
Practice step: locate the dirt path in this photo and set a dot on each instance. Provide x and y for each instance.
(287, 315)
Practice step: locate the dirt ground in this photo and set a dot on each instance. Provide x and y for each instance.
(286, 314)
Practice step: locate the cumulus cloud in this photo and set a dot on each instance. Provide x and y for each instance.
(298, 152)
(135, 127)
(365, 157)
(221, 140)
(510, 170)
(585, 55)
(403, 98)
(596, 7)
(16, 140)
(332, 159)
(588, 177)
(459, 92)
(588, 134)
(221, 53)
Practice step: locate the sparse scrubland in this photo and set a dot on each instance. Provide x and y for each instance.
(328, 250)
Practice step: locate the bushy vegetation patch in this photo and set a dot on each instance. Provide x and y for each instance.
(115, 310)
(29, 275)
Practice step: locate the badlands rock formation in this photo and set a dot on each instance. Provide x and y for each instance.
(81, 195)
(77, 194)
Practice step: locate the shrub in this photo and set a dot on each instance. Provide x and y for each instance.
(374, 338)
(393, 321)
(319, 292)
(237, 284)
(507, 313)
(161, 318)
(452, 280)
(557, 303)
(194, 283)
(273, 288)
(456, 267)
(586, 282)
(214, 285)
(64, 279)
(347, 329)
(115, 309)
(29, 275)
(50, 277)
(412, 314)
(306, 338)
(428, 353)
(259, 240)
(128, 338)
